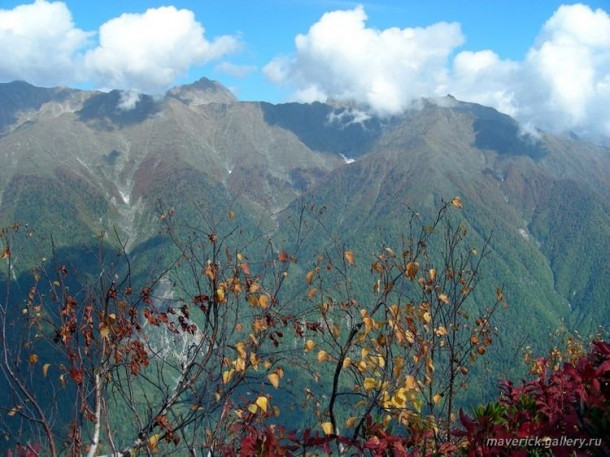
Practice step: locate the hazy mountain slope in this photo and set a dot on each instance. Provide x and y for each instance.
(547, 215)
(76, 162)
(108, 165)
(21, 102)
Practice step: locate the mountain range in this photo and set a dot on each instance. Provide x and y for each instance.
(75, 163)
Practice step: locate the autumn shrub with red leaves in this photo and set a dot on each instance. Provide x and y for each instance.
(562, 412)
(253, 435)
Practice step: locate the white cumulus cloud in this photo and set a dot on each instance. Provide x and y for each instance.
(147, 52)
(40, 43)
(571, 62)
(386, 69)
(562, 83)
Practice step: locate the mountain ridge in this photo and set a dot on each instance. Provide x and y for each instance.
(83, 162)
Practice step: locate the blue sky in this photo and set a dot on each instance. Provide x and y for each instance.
(545, 62)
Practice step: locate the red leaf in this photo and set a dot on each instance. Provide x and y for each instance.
(77, 374)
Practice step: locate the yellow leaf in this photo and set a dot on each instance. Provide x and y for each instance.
(263, 301)
(443, 298)
(219, 295)
(429, 365)
(499, 294)
(45, 369)
(33, 358)
(262, 403)
(369, 384)
(209, 271)
(350, 422)
(253, 300)
(336, 331)
(349, 256)
(417, 403)
(14, 410)
(410, 383)
(153, 441)
(252, 408)
(427, 317)
(231, 215)
(227, 375)
(457, 202)
(327, 428)
(6, 253)
(254, 360)
(432, 273)
(437, 398)
(400, 398)
(309, 345)
(347, 362)
(309, 277)
(441, 331)
(259, 325)
(368, 324)
(104, 332)
(377, 286)
(274, 379)
(240, 348)
(322, 356)
(240, 365)
(409, 337)
(312, 292)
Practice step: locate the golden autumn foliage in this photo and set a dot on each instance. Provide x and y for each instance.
(396, 352)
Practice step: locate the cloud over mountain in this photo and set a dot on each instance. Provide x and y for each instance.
(387, 69)
(151, 50)
(40, 43)
(562, 83)
(147, 51)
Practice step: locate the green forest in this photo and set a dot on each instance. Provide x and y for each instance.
(223, 337)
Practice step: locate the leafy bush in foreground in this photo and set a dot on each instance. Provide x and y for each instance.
(565, 411)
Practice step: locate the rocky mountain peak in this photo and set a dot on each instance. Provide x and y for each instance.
(202, 92)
